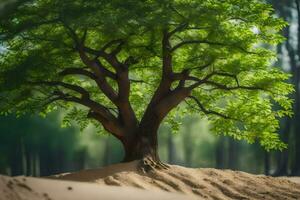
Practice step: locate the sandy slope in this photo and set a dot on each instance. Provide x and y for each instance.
(26, 188)
(176, 183)
(204, 183)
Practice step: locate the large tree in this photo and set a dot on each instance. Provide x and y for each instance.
(131, 65)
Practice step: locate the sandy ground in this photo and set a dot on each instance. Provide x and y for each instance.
(27, 188)
(124, 181)
(293, 179)
(203, 183)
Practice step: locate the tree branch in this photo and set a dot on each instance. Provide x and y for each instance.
(170, 101)
(202, 67)
(77, 71)
(194, 42)
(84, 94)
(97, 111)
(120, 42)
(225, 87)
(228, 75)
(99, 70)
(203, 109)
(187, 42)
(179, 28)
(105, 71)
(113, 127)
(120, 99)
(206, 79)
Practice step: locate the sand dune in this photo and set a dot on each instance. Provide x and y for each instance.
(203, 183)
(27, 188)
(124, 181)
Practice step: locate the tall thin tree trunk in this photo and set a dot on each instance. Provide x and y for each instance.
(232, 154)
(187, 140)
(267, 163)
(36, 171)
(106, 152)
(296, 71)
(171, 148)
(283, 157)
(220, 156)
(16, 160)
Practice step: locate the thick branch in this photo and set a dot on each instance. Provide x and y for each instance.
(166, 80)
(109, 57)
(170, 101)
(97, 111)
(167, 57)
(110, 126)
(100, 72)
(121, 100)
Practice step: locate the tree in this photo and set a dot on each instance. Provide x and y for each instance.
(296, 78)
(290, 128)
(131, 65)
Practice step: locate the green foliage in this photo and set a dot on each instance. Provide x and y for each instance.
(238, 33)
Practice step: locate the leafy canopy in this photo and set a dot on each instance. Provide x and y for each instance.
(227, 43)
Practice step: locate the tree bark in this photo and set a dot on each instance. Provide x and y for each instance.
(171, 148)
(143, 141)
(296, 73)
(220, 153)
(267, 163)
(233, 149)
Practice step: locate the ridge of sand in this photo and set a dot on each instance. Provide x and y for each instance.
(205, 183)
(28, 188)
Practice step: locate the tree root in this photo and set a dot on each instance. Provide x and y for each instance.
(148, 164)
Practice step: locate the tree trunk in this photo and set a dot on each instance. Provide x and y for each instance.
(283, 157)
(220, 153)
(171, 148)
(143, 142)
(296, 73)
(187, 143)
(141, 146)
(233, 149)
(106, 153)
(267, 163)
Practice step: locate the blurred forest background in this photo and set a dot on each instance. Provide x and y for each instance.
(36, 146)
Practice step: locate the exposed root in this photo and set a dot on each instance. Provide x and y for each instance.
(148, 164)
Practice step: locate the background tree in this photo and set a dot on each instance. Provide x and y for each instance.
(130, 65)
(289, 61)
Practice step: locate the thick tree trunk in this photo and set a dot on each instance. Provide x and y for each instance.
(140, 148)
(141, 145)
(143, 141)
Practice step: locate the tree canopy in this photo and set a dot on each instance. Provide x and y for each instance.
(108, 61)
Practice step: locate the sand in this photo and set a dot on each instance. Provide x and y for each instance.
(203, 183)
(27, 188)
(124, 181)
